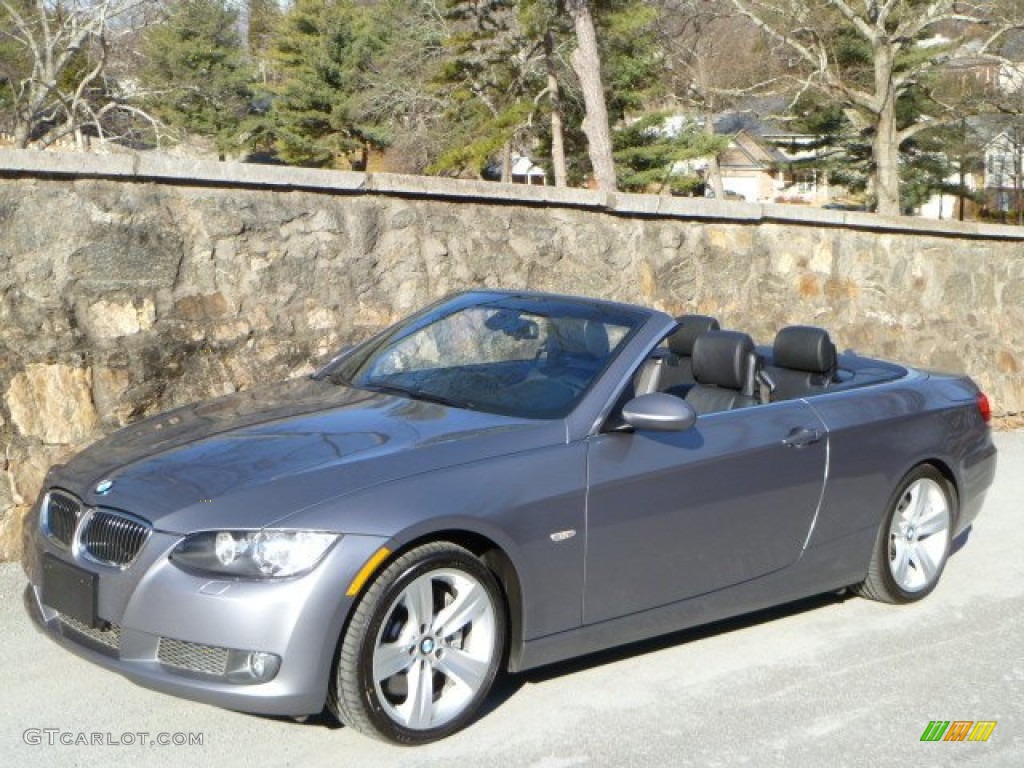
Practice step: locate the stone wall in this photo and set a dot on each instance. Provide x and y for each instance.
(132, 284)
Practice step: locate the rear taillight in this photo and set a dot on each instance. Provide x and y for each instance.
(984, 407)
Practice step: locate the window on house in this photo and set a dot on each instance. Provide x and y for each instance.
(806, 182)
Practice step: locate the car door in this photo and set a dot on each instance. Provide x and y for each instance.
(672, 515)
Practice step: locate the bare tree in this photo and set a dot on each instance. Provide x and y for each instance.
(715, 60)
(906, 48)
(55, 82)
(586, 61)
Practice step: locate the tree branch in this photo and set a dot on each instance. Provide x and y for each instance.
(870, 33)
(819, 60)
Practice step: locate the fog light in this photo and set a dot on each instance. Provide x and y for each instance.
(257, 663)
(252, 666)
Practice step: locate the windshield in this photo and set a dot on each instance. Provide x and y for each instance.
(525, 357)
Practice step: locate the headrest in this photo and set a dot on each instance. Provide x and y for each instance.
(722, 359)
(690, 327)
(804, 348)
(582, 337)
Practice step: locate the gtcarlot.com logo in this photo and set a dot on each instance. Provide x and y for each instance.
(50, 737)
(958, 730)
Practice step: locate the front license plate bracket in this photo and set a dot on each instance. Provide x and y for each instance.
(70, 590)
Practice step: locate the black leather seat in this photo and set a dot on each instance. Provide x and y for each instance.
(677, 376)
(803, 362)
(725, 369)
(673, 372)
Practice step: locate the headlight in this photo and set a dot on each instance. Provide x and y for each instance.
(253, 554)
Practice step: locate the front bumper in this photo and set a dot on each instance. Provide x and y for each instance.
(152, 602)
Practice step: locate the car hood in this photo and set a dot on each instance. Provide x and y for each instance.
(250, 459)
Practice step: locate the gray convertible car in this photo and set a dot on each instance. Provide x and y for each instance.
(502, 481)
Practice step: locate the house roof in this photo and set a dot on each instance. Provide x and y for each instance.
(990, 127)
(748, 150)
(782, 146)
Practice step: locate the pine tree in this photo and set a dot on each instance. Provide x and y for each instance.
(398, 97)
(649, 155)
(491, 78)
(510, 85)
(324, 59)
(195, 73)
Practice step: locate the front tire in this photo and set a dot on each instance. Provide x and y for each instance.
(913, 540)
(422, 648)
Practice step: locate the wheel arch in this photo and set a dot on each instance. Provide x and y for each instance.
(497, 560)
(949, 475)
(879, 582)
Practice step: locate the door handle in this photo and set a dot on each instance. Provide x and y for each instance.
(801, 436)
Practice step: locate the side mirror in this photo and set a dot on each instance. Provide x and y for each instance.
(659, 412)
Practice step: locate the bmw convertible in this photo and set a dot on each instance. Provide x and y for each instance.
(502, 481)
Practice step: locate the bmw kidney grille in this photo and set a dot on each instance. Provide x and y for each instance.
(105, 536)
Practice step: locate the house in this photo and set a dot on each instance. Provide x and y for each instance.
(521, 169)
(976, 71)
(748, 168)
(763, 164)
(944, 205)
(525, 171)
(1004, 168)
(995, 182)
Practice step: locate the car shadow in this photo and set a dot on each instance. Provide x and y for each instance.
(960, 541)
(640, 648)
(660, 643)
(508, 685)
(323, 719)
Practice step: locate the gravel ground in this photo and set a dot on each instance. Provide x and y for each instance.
(826, 682)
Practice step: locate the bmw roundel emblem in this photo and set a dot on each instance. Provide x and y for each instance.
(104, 486)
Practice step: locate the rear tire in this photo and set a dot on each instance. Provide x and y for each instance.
(913, 541)
(422, 648)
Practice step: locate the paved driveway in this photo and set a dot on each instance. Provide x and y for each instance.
(827, 682)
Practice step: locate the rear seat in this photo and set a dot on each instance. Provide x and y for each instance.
(803, 362)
